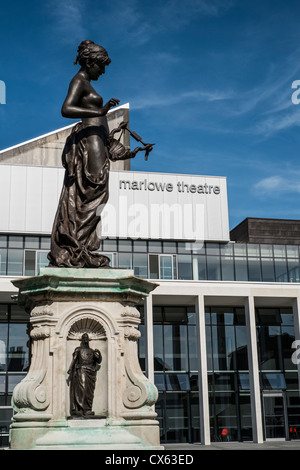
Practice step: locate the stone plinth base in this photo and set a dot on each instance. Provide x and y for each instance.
(64, 304)
(93, 434)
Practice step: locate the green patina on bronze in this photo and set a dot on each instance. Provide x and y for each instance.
(105, 284)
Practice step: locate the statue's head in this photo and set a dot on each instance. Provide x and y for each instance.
(85, 338)
(92, 58)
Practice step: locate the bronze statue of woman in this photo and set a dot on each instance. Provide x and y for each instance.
(86, 157)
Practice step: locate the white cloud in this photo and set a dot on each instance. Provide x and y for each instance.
(191, 97)
(69, 19)
(277, 184)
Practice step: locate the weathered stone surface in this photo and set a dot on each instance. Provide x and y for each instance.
(64, 304)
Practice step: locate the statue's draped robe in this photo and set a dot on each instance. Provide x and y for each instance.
(83, 380)
(75, 234)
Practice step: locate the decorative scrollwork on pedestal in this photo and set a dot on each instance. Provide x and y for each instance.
(140, 391)
(31, 393)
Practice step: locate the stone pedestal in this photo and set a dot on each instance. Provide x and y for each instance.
(63, 304)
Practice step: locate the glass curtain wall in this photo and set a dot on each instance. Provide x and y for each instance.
(228, 375)
(14, 360)
(275, 335)
(24, 255)
(175, 372)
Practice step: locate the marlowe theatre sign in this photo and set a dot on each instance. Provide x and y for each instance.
(166, 206)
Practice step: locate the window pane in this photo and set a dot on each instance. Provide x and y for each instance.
(241, 351)
(154, 247)
(140, 264)
(3, 346)
(32, 242)
(270, 349)
(227, 250)
(3, 241)
(3, 261)
(157, 314)
(175, 314)
(175, 342)
(18, 349)
(266, 251)
(294, 271)
(159, 380)
(169, 247)
(29, 268)
(227, 268)
(45, 243)
(213, 268)
(292, 251)
(183, 247)
(142, 347)
(166, 271)
(267, 267)
(15, 262)
(288, 337)
(193, 349)
(5, 422)
(281, 270)
(240, 249)
(273, 381)
(253, 250)
(185, 267)
(177, 417)
(13, 380)
(254, 270)
(42, 260)
(18, 314)
(158, 348)
(178, 382)
(199, 268)
(2, 384)
(213, 249)
(15, 242)
(140, 246)
(241, 269)
(3, 313)
(223, 347)
(125, 245)
(125, 260)
(225, 409)
(109, 245)
(279, 251)
(153, 266)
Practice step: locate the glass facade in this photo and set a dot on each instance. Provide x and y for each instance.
(227, 366)
(176, 373)
(14, 360)
(175, 336)
(24, 255)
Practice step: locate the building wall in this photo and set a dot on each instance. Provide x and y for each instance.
(47, 150)
(267, 231)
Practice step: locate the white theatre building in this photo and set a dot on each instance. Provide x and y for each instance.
(219, 333)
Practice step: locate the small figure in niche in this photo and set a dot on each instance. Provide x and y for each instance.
(82, 377)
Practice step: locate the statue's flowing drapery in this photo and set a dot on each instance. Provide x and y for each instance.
(75, 238)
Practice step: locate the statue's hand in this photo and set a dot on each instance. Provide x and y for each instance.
(111, 103)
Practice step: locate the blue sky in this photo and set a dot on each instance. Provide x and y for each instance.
(209, 81)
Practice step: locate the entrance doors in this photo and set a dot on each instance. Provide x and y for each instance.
(275, 415)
